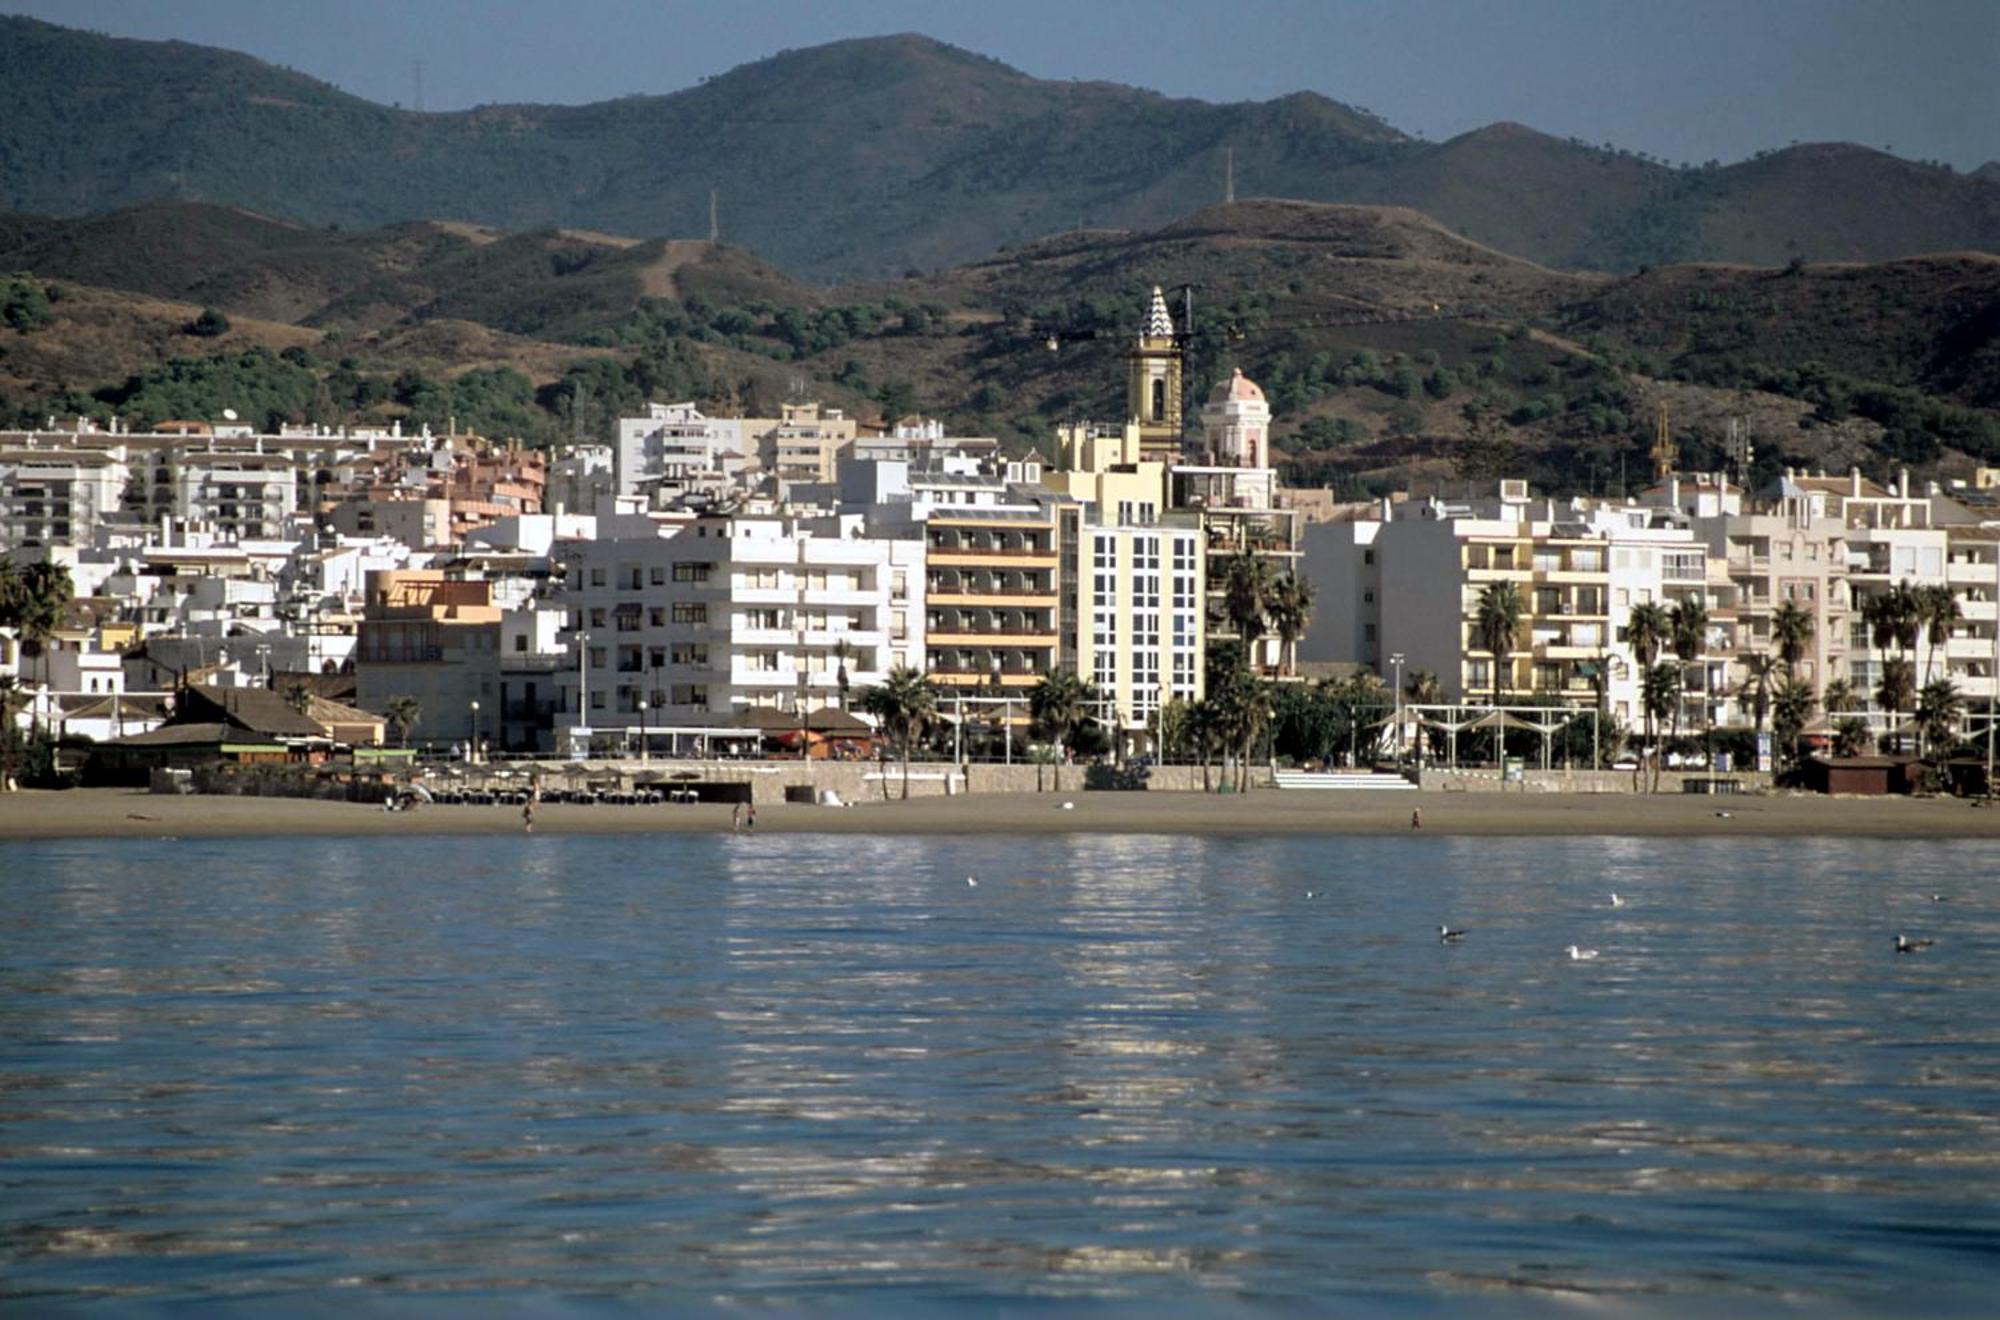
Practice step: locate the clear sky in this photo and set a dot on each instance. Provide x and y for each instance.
(1680, 79)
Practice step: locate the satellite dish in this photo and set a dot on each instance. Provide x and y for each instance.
(228, 414)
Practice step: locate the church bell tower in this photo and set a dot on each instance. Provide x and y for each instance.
(1153, 384)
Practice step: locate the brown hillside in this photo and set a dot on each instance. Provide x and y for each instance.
(101, 336)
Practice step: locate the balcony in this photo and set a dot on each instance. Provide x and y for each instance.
(974, 635)
(840, 596)
(947, 557)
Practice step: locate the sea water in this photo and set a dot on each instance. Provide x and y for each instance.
(949, 1073)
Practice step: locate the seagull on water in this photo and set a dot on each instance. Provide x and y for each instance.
(972, 882)
(1940, 898)
(1446, 935)
(1617, 901)
(1581, 955)
(1904, 944)
(1312, 893)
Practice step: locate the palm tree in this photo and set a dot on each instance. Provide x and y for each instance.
(1937, 713)
(1850, 736)
(1898, 687)
(904, 705)
(1242, 714)
(1060, 704)
(1840, 695)
(1421, 688)
(1201, 730)
(1648, 630)
(1687, 622)
(13, 700)
(1759, 672)
(1659, 695)
(1246, 598)
(1291, 610)
(1937, 611)
(299, 697)
(404, 712)
(1791, 631)
(1790, 713)
(1495, 625)
(34, 600)
(840, 654)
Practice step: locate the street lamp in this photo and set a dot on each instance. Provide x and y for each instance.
(583, 687)
(642, 731)
(1396, 660)
(472, 740)
(1006, 710)
(805, 734)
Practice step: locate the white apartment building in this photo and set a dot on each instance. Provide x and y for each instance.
(676, 448)
(1139, 625)
(58, 497)
(728, 613)
(1409, 583)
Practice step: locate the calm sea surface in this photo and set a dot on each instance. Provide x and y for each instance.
(563, 1072)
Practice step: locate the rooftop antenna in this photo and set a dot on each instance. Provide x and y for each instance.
(714, 224)
(417, 85)
(1229, 176)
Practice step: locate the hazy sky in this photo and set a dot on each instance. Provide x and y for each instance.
(1682, 79)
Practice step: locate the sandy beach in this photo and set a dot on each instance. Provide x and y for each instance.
(113, 813)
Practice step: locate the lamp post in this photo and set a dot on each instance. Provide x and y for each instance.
(472, 738)
(997, 693)
(642, 731)
(805, 734)
(1396, 660)
(583, 687)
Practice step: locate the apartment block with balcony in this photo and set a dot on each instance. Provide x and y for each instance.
(730, 613)
(995, 581)
(436, 638)
(54, 498)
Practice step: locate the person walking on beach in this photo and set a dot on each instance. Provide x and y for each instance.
(750, 818)
(528, 814)
(736, 819)
(1417, 819)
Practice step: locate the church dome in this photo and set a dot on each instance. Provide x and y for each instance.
(1239, 388)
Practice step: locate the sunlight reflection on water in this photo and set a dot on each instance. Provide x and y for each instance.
(685, 1069)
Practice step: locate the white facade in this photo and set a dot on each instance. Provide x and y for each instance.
(729, 613)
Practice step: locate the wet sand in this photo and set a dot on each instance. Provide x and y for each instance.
(113, 813)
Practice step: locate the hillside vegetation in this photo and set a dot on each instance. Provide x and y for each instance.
(874, 157)
(1392, 349)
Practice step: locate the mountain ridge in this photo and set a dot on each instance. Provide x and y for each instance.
(876, 155)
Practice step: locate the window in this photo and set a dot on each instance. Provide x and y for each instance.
(688, 571)
(659, 576)
(597, 618)
(690, 612)
(688, 694)
(1367, 556)
(597, 657)
(596, 577)
(656, 616)
(766, 619)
